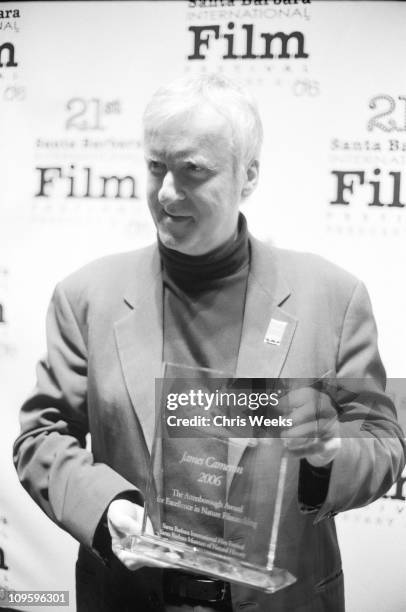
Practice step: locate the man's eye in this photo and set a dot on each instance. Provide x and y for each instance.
(156, 168)
(194, 168)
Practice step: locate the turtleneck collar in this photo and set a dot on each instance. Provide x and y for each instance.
(195, 270)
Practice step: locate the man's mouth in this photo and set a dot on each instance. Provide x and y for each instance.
(175, 217)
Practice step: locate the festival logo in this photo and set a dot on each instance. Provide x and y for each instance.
(368, 183)
(88, 162)
(262, 43)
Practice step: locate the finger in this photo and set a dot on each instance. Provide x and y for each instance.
(124, 518)
(302, 448)
(306, 398)
(305, 431)
(124, 525)
(322, 429)
(303, 415)
(328, 454)
(312, 410)
(296, 398)
(134, 561)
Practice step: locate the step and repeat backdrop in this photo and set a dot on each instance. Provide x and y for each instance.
(74, 77)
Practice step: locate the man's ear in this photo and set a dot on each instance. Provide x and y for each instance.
(250, 179)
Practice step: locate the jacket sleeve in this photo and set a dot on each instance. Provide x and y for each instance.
(372, 453)
(50, 454)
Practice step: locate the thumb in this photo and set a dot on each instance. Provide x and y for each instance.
(124, 518)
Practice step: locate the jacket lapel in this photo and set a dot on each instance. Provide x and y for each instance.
(267, 293)
(139, 337)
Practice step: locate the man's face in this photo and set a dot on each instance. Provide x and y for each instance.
(193, 186)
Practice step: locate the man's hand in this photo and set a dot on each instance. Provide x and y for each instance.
(315, 433)
(124, 518)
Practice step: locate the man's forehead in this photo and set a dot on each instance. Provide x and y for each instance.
(188, 133)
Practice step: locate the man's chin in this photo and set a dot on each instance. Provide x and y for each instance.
(175, 243)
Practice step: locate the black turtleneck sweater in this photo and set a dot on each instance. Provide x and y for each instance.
(204, 298)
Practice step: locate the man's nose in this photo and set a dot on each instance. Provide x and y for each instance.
(169, 191)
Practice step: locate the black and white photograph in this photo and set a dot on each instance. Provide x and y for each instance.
(202, 305)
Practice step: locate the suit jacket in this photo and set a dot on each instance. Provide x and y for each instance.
(105, 346)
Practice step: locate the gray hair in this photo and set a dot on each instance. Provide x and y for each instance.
(226, 96)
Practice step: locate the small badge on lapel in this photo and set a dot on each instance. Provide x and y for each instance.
(275, 331)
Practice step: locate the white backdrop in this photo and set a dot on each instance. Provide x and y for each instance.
(74, 78)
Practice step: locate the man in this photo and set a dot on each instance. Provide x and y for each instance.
(209, 296)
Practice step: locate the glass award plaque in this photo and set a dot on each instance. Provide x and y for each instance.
(214, 496)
